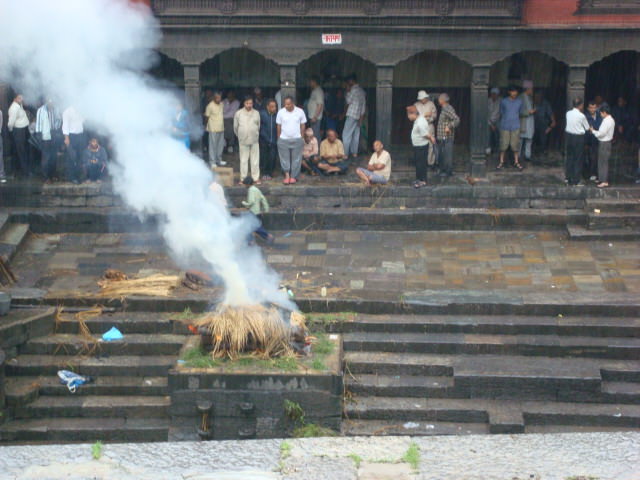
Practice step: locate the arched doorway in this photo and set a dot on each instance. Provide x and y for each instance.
(331, 67)
(436, 72)
(549, 77)
(168, 70)
(240, 69)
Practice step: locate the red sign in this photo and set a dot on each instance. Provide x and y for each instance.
(332, 39)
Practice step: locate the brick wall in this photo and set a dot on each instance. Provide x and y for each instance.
(562, 12)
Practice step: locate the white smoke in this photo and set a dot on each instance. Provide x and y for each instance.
(93, 54)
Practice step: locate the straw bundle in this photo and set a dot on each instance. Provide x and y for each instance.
(157, 285)
(256, 328)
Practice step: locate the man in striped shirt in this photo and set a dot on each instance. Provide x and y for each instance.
(447, 124)
(356, 101)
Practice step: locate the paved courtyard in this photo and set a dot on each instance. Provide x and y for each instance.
(601, 456)
(363, 265)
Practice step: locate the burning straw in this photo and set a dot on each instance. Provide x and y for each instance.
(157, 285)
(258, 329)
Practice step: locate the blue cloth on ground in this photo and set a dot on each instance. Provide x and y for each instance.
(113, 334)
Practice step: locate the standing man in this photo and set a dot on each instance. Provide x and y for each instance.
(291, 124)
(268, 139)
(545, 122)
(527, 123)
(420, 138)
(258, 100)
(3, 174)
(215, 128)
(315, 107)
(230, 106)
(605, 136)
(591, 142)
(494, 119)
(246, 126)
(75, 141)
(356, 100)
(428, 110)
(48, 125)
(447, 125)
(18, 125)
(577, 126)
(510, 108)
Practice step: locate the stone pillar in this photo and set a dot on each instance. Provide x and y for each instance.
(479, 130)
(288, 81)
(192, 90)
(576, 81)
(384, 98)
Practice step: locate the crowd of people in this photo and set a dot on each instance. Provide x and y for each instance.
(276, 131)
(39, 139)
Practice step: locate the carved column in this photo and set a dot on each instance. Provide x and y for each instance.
(384, 97)
(479, 137)
(192, 89)
(288, 81)
(576, 82)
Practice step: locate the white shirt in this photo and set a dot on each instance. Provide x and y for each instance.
(72, 122)
(384, 159)
(419, 132)
(317, 98)
(290, 122)
(576, 122)
(607, 129)
(17, 117)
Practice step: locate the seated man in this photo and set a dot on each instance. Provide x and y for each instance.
(94, 161)
(332, 156)
(378, 170)
(310, 156)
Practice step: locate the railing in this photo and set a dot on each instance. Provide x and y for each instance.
(507, 9)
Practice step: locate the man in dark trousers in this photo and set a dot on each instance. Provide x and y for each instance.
(94, 161)
(577, 126)
(268, 139)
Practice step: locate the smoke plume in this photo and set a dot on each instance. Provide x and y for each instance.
(93, 54)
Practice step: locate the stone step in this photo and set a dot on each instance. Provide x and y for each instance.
(578, 232)
(4, 219)
(613, 220)
(399, 386)
(383, 219)
(352, 427)
(608, 205)
(20, 390)
(534, 345)
(121, 365)
(622, 373)
(493, 325)
(493, 376)
(59, 430)
(481, 411)
(622, 392)
(95, 406)
(12, 236)
(127, 323)
(131, 344)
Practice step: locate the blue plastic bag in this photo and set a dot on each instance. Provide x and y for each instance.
(113, 334)
(72, 380)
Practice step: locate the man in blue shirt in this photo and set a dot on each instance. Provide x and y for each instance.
(510, 108)
(268, 139)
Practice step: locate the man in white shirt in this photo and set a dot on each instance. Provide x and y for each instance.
(428, 110)
(246, 126)
(421, 139)
(378, 169)
(48, 125)
(356, 100)
(577, 126)
(18, 125)
(76, 142)
(291, 124)
(605, 136)
(315, 107)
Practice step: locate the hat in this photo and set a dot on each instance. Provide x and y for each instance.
(422, 95)
(495, 90)
(527, 84)
(412, 109)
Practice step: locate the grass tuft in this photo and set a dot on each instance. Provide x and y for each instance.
(196, 358)
(285, 450)
(412, 456)
(96, 450)
(357, 459)
(310, 430)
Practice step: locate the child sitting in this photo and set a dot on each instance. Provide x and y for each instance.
(256, 203)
